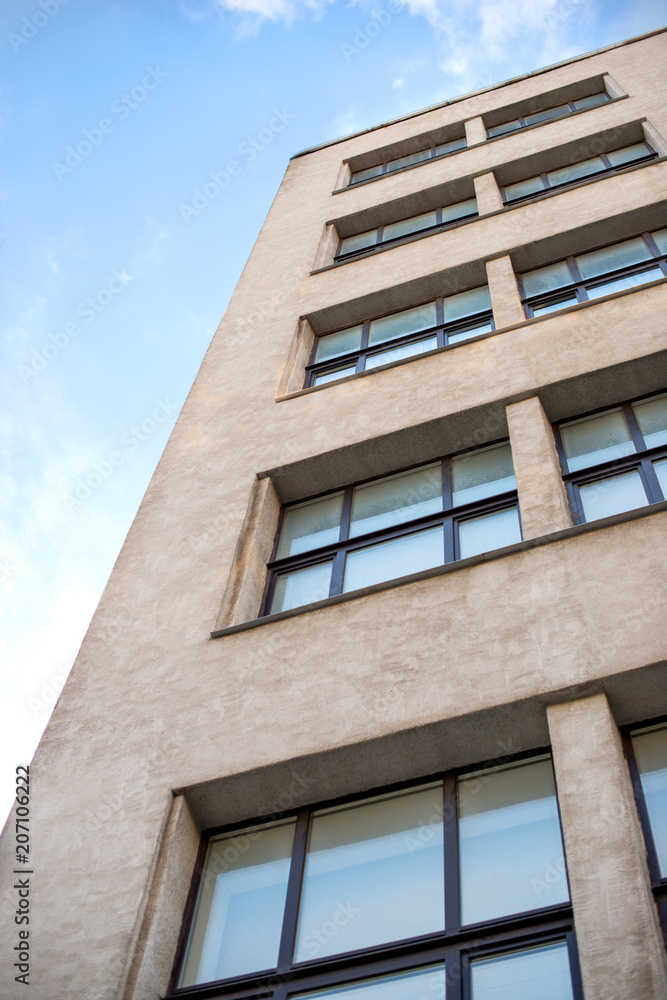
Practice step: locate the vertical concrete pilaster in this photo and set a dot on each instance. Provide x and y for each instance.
(620, 945)
(504, 291)
(487, 193)
(542, 495)
(475, 131)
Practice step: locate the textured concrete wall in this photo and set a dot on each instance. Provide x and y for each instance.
(154, 705)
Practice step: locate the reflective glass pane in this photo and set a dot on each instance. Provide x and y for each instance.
(398, 353)
(511, 852)
(542, 972)
(532, 185)
(374, 873)
(302, 586)
(309, 525)
(402, 323)
(611, 258)
(485, 472)
(241, 904)
(505, 127)
(543, 116)
(562, 302)
(488, 532)
(661, 472)
(460, 210)
(651, 416)
(335, 344)
(404, 161)
(628, 154)
(466, 332)
(407, 226)
(576, 170)
(362, 175)
(545, 279)
(467, 303)
(449, 147)
(613, 495)
(651, 755)
(397, 499)
(660, 237)
(596, 439)
(627, 281)
(418, 985)
(393, 559)
(360, 242)
(591, 101)
(334, 375)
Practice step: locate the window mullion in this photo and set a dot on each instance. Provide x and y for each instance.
(297, 865)
(454, 985)
(451, 849)
(650, 480)
(633, 425)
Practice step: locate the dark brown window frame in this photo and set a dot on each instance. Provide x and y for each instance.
(580, 285)
(406, 166)
(456, 946)
(439, 227)
(610, 169)
(564, 114)
(642, 460)
(448, 517)
(358, 358)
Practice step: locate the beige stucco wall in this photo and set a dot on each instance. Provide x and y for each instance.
(443, 670)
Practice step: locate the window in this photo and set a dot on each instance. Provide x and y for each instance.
(598, 272)
(397, 232)
(616, 460)
(391, 527)
(465, 870)
(548, 113)
(399, 162)
(646, 749)
(596, 166)
(447, 320)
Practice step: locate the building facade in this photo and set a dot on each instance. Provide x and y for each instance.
(373, 704)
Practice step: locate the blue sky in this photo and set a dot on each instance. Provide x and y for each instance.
(112, 114)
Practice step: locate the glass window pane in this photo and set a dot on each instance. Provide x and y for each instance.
(651, 754)
(335, 344)
(485, 472)
(397, 499)
(309, 525)
(418, 985)
(660, 237)
(562, 302)
(360, 242)
(302, 586)
(628, 154)
(511, 852)
(611, 258)
(576, 170)
(450, 147)
(627, 281)
(460, 210)
(407, 226)
(505, 127)
(334, 375)
(542, 972)
(661, 472)
(374, 872)
(398, 353)
(362, 175)
(471, 330)
(613, 495)
(532, 185)
(488, 532)
(543, 116)
(241, 904)
(404, 161)
(652, 419)
(596, 439)
(544, 279)
(393, 559)
(591, 101)
(400, 324)
(467, 303)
